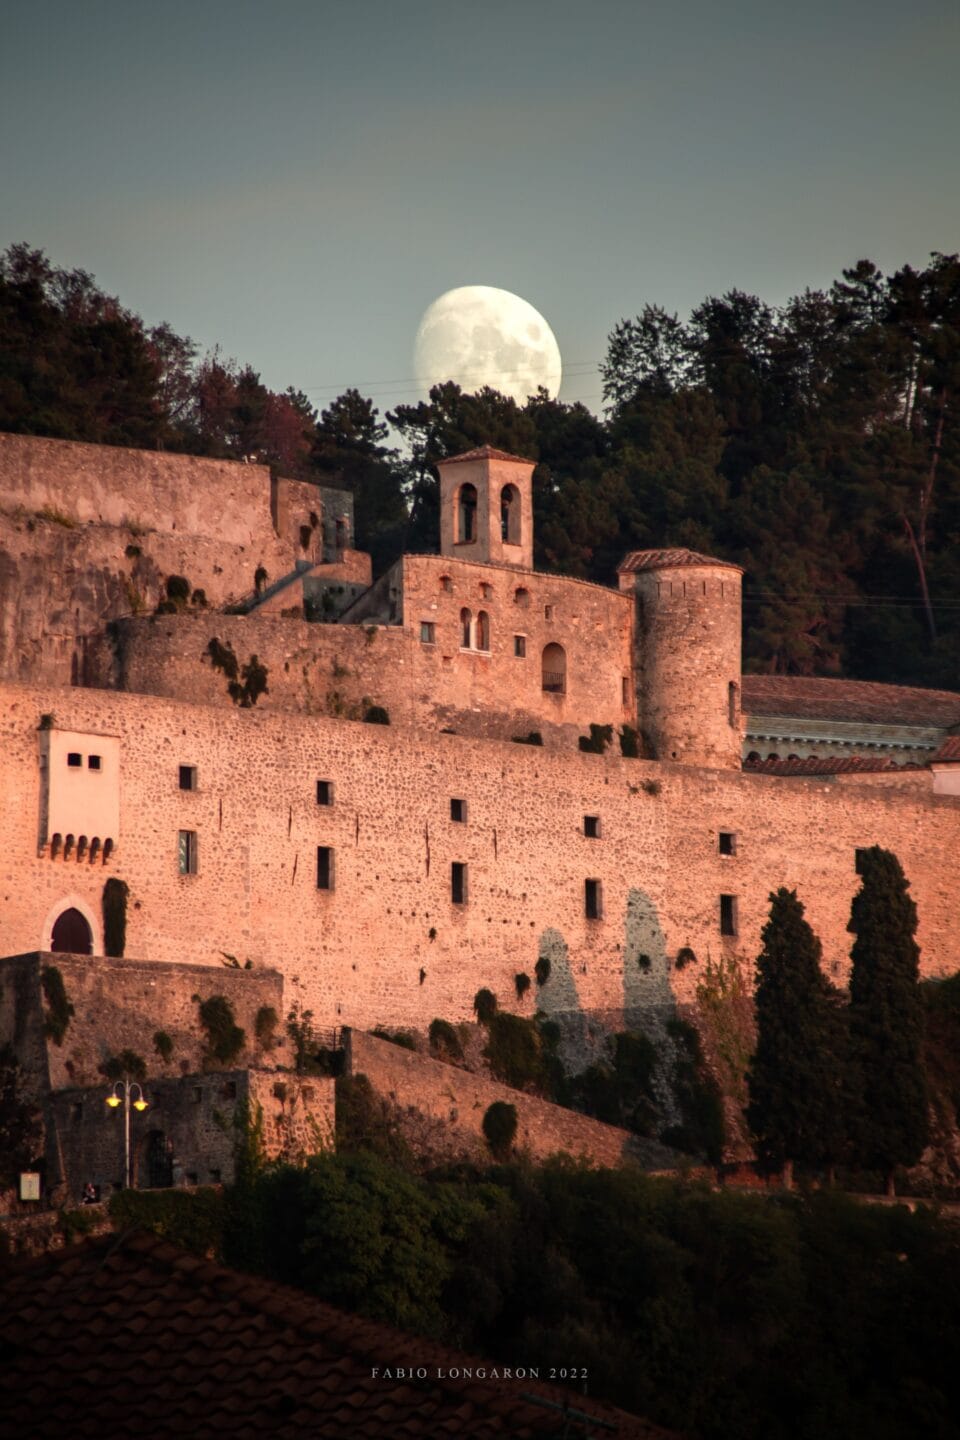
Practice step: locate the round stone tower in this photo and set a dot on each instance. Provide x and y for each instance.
(688, 654)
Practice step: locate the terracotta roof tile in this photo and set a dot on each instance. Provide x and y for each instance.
(198, 1365)
(669, 560)
(823, 765)
(811, 698)
(486, 452)
(949, 750)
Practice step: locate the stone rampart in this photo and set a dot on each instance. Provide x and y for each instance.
(460, 1099)
(384, 939)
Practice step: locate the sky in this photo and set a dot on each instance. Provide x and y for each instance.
(296, 180)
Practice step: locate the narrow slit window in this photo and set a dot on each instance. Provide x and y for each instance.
(324, 867)
(324, 792)
(728, 914)
(733, 703)
(428, 632)
(458, 882)
(520, 646)
(188, 777)
(727, 842)
(187, 852)
(458, 811)
(591, 827)
(593, 899)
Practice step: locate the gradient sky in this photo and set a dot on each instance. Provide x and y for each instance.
(297, 181)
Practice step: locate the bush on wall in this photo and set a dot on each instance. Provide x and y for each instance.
(114, 907)
(500, 1128)
(225, 1038)
(59, 1009)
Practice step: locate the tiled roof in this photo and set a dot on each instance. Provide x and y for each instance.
(949, 750)
(486, 452)
(854, 700)
(822, 765)
(668, 560)
(130, 1336)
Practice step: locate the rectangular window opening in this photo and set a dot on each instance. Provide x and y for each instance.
(324, 792)
(324, 867)
(728, 914)
(74, 760)
(625, 690)
(520, 646)
(188, 777)
(458, 883)
(593, 899)
(591, 827)
(93, 762)
(458, 811)
(727, 842)
(187, 852)
(428, 632)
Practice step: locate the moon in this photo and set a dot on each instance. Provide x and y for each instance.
(476, 335)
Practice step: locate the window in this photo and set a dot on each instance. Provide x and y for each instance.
(521, 596)
(324, 867)
(733, 702)
(188, 777)
(625, 690)
(458, 811)
(187, 852)
(592, 899)
(428, 632)
(486, 590)
(728, 914)
(520, 646)
(548, 612)
(727, 842)
(591, 827)
(74, 760)
(458, 883)
(93, 762)
(324, 792)
(510, 515)
(467, 515)
(554, 670)
(466, 630)
(446, 584)
(483, 630)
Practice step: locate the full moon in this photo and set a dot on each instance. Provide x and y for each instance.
(477, 336)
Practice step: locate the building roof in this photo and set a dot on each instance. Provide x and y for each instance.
(805, 697)
(128, 1335)
(486, 452)
(949, 750)
(824, 765)
(669, 560)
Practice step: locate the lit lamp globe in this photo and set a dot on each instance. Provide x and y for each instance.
(478, 336)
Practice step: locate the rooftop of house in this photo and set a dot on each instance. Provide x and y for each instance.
(487, 452)
(863, 701)
(669, 560)
(824, 765)
(128, 1335)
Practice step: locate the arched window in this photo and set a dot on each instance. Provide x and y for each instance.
(68, 847)
(554, 669)
(71, 934)
(510, 515)
(733, 702)
(483, 631)
(107, 849)
(466, 630)
(467, 515)
(81, 847)
(521, 596)
(446, 584)
(55, 844)
(94, 848)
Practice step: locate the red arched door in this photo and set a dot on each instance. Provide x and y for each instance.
(71, 934)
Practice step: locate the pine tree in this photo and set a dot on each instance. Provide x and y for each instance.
(795, 1078)
(886, 1018)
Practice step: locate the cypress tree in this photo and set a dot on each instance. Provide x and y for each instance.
(886, 1018)
(795, 1075)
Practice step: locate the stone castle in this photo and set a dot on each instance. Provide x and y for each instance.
(384, 872)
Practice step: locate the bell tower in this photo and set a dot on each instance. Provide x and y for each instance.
(486, 507)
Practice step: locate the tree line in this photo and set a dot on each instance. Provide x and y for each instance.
(816, 443)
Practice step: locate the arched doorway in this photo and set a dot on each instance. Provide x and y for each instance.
(157, 1171)
(71, 934)
(554, 669)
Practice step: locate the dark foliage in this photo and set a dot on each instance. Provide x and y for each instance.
(114, 905)
(500, 1128)
(128, 1065)
(20, 1134)
(376, 715)
(596, 743)
(225, 1038)
(163, 1045)
(484, 1006)
(59, 1008)
(444, 1041)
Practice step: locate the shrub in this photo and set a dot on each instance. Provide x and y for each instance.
(484, 1006)
(301, 1035)
(542, 969)
(597, 741)
(192, 1220)
(127, 1065)
(650, 787)
(246, 691)
(225, 1038)
(260, 578)
(223, 658)
(132, 552)
(515, 1051)
(163, 1044)
(404, 1038)
(685, 956)
(199, 598)
(444, 1040)
(264, 1026)
(702, 1130)
(500, 1128)
(178, 590)
(534, 738)
(629, 742)
(522, 983)
(376, 715)
(114, 907)
(59, 1009)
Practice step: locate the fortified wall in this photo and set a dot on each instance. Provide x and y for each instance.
(389, 880)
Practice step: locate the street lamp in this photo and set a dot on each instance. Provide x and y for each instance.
(126, 1087)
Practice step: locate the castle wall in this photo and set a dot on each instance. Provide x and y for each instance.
(460, 1100)
(386, 942)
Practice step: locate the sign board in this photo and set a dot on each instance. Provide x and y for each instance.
(29, 1185)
